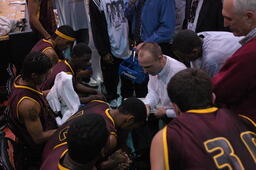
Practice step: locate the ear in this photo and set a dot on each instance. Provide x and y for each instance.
(161, 58)
(250, 14)
(213, 98)
(129, 119)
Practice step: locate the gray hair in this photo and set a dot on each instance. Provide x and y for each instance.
(244, 5)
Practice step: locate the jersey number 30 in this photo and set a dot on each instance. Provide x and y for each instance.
(226, 156)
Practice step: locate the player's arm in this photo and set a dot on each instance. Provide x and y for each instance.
(52, 55)
(157, 152)
(29, 113)
(83, 89)
(110, 146)
(33, 10)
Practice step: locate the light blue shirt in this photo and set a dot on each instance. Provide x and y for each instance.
(158, 20)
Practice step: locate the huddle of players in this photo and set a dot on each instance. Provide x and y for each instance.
(202, 136)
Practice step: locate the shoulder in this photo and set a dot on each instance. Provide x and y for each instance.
(49, 51)
(28, 106)
(52, 159)
(175, 64)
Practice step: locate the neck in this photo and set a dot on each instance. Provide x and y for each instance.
(70, 164)
(163, 63)
(113, 113)
(53, 42)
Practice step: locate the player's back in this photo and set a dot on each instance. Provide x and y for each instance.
(210, 139)
(59, 138)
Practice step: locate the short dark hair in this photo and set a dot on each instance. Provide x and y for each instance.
(134, 107)
(185, 41)
(80, 50)
(190, 89)
(86, 137)
(152, 48)
(67, 30)
(35, 62)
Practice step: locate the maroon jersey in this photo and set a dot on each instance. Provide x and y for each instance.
(62, 65)
(42, 45)
(93, 107)
(52, 162)
(209, 139)
(19, 93)
(46, 16)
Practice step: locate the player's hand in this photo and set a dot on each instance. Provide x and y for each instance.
(122, 166)
(108, 58)
(119, 157)
(160, 111)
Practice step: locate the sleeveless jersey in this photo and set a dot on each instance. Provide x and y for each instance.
(209, 139)
(62, 65)
(94, 107)
(46, 16)
(19, 93)
(42, 45)
(53, 159)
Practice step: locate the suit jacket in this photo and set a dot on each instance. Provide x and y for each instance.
(210, 17)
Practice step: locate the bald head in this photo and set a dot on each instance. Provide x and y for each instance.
(150, 58)
(153, 48)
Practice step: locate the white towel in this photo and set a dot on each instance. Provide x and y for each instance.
(63, 98)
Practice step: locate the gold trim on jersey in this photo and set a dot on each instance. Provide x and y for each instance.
(165, 145)
(48, 41)
(17, 106)
(249, 119)
(100, 101)
(209, 110)
(112, 120)
(109, 116)
(59, 145)
(77, 114)
(60, 34)
(60, 167)
(65, 61)
(25, 87)
(46, 49)
(69, 66)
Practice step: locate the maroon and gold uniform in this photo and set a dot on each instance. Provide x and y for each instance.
(42, 45)
(62, 65)
(31, 150)
(46, 16)
(52, 162)
(209, 139)
(93, 107)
